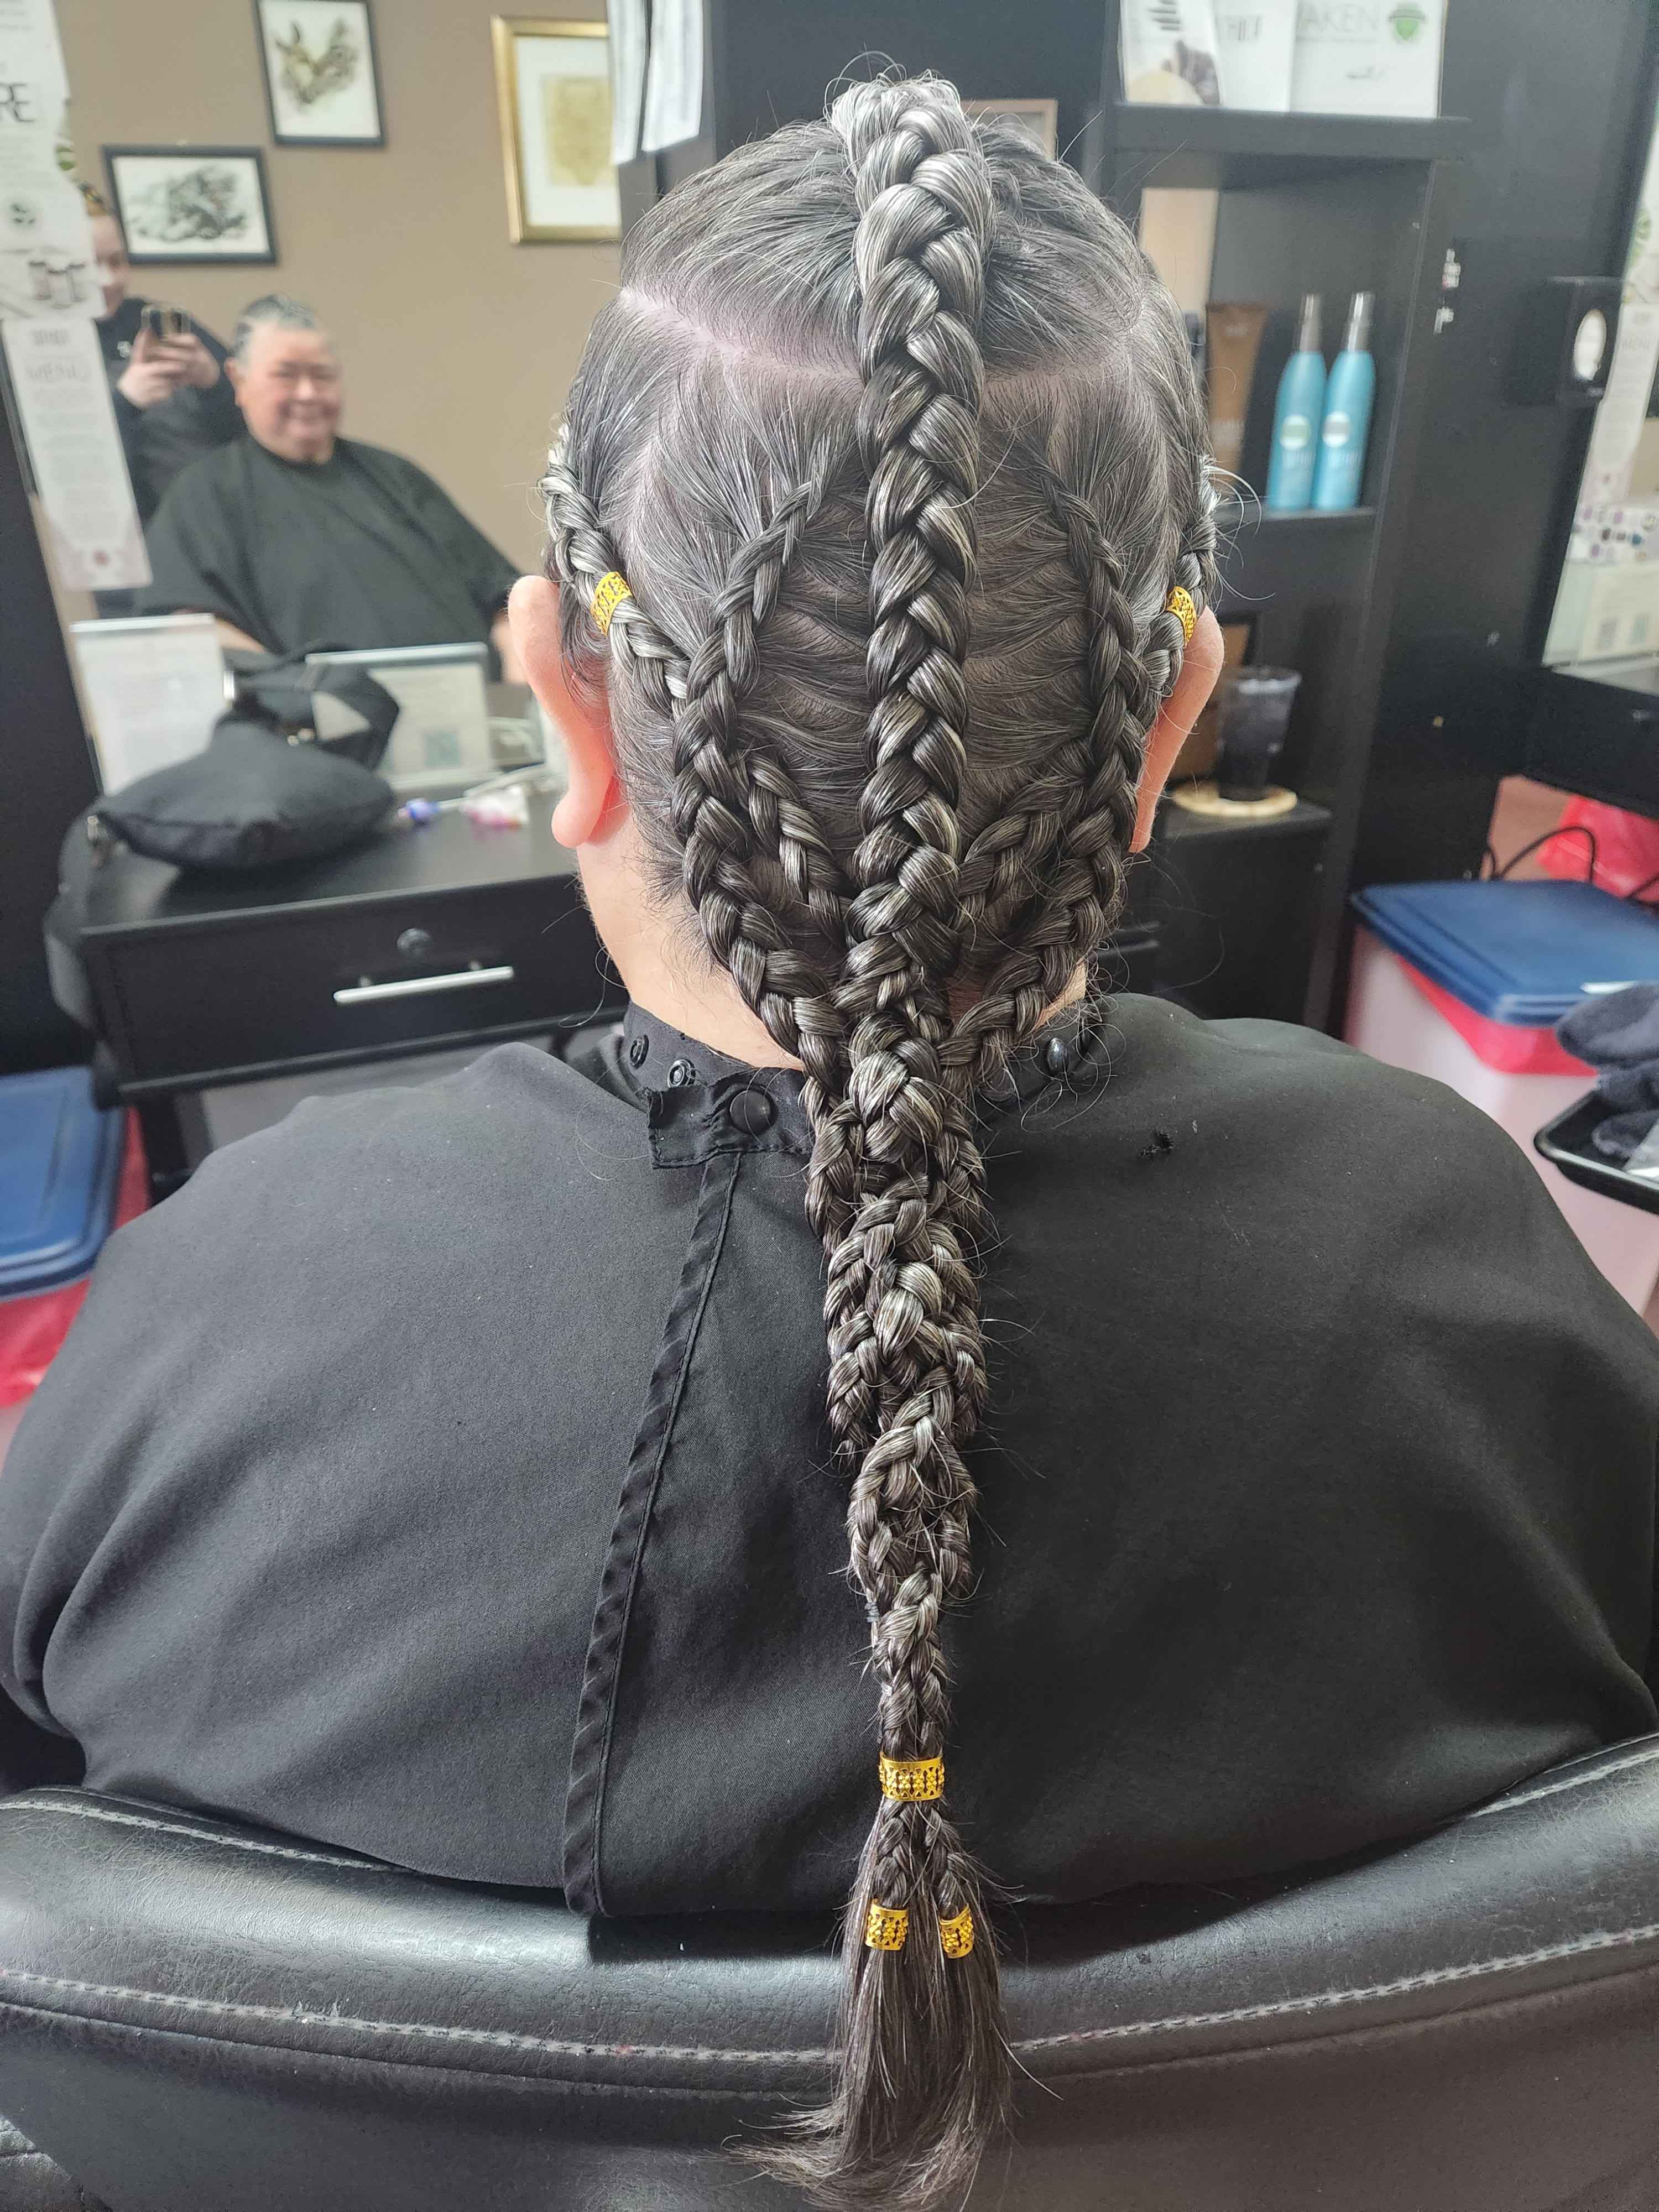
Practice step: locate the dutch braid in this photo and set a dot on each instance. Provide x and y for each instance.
(749, 839)
(1079, 812)
(900, 935)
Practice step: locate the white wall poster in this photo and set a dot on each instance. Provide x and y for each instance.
(45, 243)
(673, 76)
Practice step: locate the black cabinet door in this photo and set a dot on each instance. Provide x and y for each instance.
(279, 988)
(1236, 910)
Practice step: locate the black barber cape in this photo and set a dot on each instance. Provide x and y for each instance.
(360, 549)
(443, 1474)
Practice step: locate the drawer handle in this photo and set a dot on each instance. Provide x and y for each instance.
(414, 986)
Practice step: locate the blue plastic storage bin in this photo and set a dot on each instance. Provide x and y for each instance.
(1463, 982)
(1521, 953)
(60, 1161)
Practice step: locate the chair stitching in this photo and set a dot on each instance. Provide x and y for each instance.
(1437, 1977)
(495, 2038)
(405, 2062)
(196, 1835)
(502, 2039)
(1572, 1781)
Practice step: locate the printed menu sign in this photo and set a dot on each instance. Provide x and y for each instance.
(62, 392)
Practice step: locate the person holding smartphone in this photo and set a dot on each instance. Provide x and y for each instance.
(173, 400)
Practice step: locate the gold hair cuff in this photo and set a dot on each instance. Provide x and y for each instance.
(1181, 604)
(909, 1781)
(887, 1927)
(608, 595)
(955, 1938)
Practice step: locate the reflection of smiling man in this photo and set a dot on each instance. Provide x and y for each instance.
(296, 537)
(287, 386)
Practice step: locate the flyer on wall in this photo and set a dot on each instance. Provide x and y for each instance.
(46, 262)
(49, 298)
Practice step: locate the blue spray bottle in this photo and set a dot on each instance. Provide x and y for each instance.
(1296, 416)
(1349, 392)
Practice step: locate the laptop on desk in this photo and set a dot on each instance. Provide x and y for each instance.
(440, 743)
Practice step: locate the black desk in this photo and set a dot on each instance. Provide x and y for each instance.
(420, 940)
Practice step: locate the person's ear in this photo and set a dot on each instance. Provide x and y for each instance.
(593, 807)
(233, 371)
(1201, 665)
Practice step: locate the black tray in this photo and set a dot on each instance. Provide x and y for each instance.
(1566, 1144)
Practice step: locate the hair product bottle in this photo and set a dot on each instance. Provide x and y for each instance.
(1349, 392)
(1296, 416)
(1233, 332)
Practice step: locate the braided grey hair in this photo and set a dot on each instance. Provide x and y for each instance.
(893, 434)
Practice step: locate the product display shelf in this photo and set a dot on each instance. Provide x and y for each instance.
(1333, 204)
(1235, 516)
(1221, 147)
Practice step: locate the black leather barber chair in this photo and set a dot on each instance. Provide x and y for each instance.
(201, 2018)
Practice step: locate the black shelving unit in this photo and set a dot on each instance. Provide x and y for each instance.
(1226, 148)
(1235, 516)
(1235, 905)
(1333, 205)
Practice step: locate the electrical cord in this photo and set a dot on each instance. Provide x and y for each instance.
(1564, 830)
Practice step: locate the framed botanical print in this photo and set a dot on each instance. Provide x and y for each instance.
(192, 203)
(1038, 120)
(553, 88)
(321, 83)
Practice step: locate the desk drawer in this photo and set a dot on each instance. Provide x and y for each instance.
(275, 989)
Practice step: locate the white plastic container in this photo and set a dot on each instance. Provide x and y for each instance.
(1391, 1019)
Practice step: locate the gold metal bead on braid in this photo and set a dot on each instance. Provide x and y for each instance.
(608, 595)
(1181, 604)
(886, 1927)
(955, 1938)
(912, 1781)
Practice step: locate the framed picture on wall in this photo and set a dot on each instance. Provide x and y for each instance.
(553, 88)
(192, 203)
(1038, 120)
(321, 82)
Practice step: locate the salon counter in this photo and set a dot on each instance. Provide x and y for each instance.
(420, 940)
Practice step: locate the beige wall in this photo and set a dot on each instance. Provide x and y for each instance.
(458, 347)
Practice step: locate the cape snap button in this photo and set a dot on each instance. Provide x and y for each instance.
(637, 1049)
(752, 1112)
(680, 1074)
(1058, 1054)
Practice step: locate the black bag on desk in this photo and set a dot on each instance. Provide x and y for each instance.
(267, 789)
